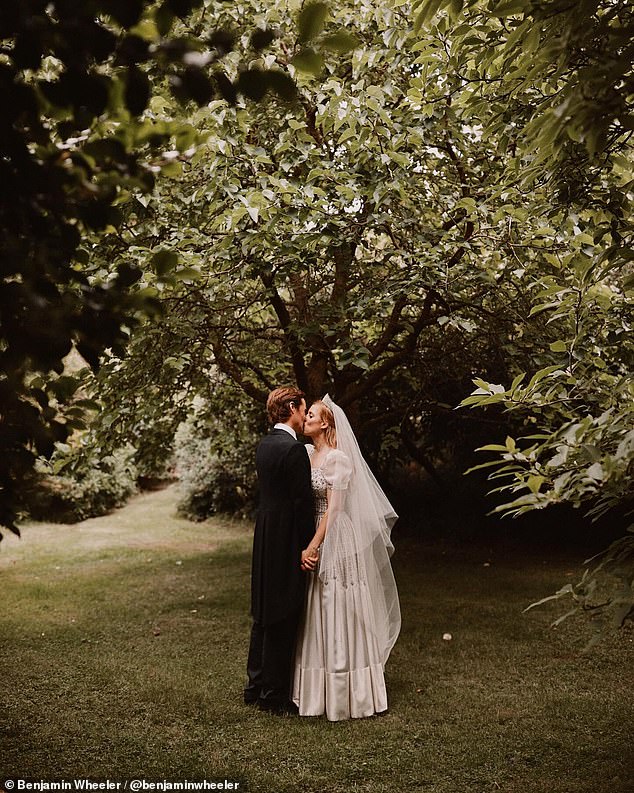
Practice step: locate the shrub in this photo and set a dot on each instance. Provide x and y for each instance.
(216, 471)
(91, 487)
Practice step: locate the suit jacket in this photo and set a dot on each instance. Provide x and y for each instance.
(284, 526)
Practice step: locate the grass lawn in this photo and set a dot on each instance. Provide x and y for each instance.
(123, 643)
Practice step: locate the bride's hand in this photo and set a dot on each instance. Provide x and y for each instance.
(310, 557)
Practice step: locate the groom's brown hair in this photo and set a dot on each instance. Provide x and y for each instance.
(278, 405)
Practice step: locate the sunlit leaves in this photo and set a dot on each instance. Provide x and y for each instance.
(424, 11)
(322, 230)
(581, 76)
(85, 132)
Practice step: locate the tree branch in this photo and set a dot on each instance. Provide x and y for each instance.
(235, 373)
(286, 323)
(359, 389)
(466, 193)
(391, 329)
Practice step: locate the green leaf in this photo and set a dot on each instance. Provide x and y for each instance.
(541, 375)
(426, 12)
(517, 380)
(595, 471)
(558, 346)
(543, 307)
(164, 262)
(341, 42)
(261, 38)
(535, 482)
(511, 7)
(307, 60)
(311, 21)
(164, 20)
(349, 133)
(456, 7)
(187, 274)
(281, 83)
(253, 84)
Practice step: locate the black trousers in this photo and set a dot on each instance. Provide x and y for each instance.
(270, 662)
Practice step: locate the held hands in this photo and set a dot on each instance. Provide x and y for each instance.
(310, 557)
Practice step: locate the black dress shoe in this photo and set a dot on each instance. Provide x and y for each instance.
(279, 708)
(251, 696)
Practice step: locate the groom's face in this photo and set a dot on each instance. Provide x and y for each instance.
(298, 416)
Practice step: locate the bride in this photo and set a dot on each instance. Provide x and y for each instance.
(352, 615)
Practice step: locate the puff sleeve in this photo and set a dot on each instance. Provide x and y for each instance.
(337, 470)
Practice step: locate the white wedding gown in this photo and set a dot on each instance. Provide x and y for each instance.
(338, 664)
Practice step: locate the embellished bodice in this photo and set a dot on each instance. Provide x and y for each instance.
(320, 488)
(333, 473)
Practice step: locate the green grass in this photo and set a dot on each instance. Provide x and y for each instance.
(123, 652)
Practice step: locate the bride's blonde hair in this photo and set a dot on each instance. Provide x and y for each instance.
(326, 414)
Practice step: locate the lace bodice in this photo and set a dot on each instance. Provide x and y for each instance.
(333, 473)
(320, 488)
(319, 485)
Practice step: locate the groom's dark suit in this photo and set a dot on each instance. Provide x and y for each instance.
(284, 527)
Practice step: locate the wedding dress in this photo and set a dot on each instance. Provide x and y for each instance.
(352, 617)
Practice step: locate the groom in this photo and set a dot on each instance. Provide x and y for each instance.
(283, 528)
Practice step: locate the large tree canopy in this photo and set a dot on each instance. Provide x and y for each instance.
(451, 199)
(338, 239)
(75, 142)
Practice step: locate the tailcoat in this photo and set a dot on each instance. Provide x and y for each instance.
(284, 527)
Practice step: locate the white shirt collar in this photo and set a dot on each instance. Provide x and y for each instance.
(288, 429)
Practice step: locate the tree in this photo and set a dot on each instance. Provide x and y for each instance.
(75, 79)
(556, 82)
(336, 239)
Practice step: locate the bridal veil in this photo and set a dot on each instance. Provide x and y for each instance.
(357, 547)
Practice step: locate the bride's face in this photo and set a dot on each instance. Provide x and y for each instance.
(314, 426)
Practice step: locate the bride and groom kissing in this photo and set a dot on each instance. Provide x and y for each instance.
(323, 597)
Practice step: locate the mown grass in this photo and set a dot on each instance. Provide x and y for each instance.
(123, 651)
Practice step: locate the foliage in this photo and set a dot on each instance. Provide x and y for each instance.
(567, 68)
(78, 138)
(215, 466)
(585, 399)
(606, 591)
(86, 486)
(555, 89)
(450, 199)
(354, 240)
(375, 238)
(583, 453)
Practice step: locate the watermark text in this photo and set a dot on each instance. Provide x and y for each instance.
(132, 785)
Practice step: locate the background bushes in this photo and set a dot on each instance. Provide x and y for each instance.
(90, 486)
(215, 467)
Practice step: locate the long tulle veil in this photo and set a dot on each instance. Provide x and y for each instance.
(358, 546)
